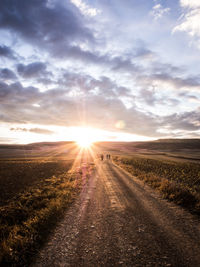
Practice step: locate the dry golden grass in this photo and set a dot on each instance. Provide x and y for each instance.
(27, 218)
(178, 182)
(17, 175)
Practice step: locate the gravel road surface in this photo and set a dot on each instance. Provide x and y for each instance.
(117, 221)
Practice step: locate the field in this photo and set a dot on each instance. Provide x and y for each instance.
(35, 191)
(171, 166)
(176, 181)
(38, 183)
(18, 175)
(182, 150)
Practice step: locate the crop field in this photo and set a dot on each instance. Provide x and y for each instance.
(177, 181)
(34, 193)
(17, 175)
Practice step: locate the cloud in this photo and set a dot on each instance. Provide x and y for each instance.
(190, 3)
(7, 52)
(189, 121)
(99, 74)
(86, 83)
(100, 110)
(153, 98)
(32, 130)
(148, 95)
(158, 11)
(144, 53)
(44, 24)
(7, 74)
(190, 20)
(35, 69)
(167, 80)
(190, 82)
(16, 94)
(85, 9)
(58, 28)
(114, 63)
(59, 108)
(193, 98)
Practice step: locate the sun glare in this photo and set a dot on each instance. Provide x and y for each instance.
(84, 138)
(84, 143)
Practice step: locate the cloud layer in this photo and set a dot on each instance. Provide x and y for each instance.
(72, 63)
(190, 21)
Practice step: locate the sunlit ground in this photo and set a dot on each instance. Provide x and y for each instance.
(85, 153)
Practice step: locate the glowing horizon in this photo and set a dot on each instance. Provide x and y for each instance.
(25, 134)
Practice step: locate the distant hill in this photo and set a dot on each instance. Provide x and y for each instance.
(170, 144)
(160, 144)
(34, 145)
(175, 140)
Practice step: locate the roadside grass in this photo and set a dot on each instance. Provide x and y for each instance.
(176, 181)
(27, 219)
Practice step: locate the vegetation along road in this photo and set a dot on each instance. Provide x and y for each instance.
(117, 221)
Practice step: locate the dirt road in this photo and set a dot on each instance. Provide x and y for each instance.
(118, 222)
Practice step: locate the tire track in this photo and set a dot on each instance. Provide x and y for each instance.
(112, 190)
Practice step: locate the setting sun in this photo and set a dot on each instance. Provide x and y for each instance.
(84, 138)
(84, 143)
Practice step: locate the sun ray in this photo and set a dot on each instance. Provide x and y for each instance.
(84, 143)
(85, 137)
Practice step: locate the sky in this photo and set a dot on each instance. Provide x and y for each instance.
(111, 69)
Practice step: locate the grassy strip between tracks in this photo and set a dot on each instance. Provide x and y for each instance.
(177, 182)
(28, 218)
